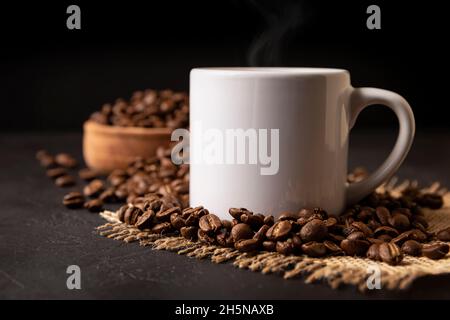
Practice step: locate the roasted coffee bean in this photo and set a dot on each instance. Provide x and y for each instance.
(404, 211)
(164, 214)
(227, 224)
(399, 221)
(189, 233)
(254, 221)
(435, 251)
(335, 237)
(238, 212)
(390, 253)
(73, 200)
(161, 228)
(297, 241)
(306, 213)
(385, 238)
(108, 195)
(121, 212)
(412, 247)
(416, 234)
(66, 160)
(363, 228)
(373, 224)
(315, 230)
(333, 248)
(131, 215)
(269, 220)
(383, 215)
(314, 249)
(94, 188)
(357, 235)
(430, 200)
(373, 240)
(269, 245)
(94, 205)
(241, 231)
(47, 161)
(42, 154)
(279, 230)
(204, 237)
(285, 247)
(386, 230)
(373, 252)
(54, 173)
(190, 211)
(444, 235)
(177, 221)
(210, 223)
(330, 223)
(355, 247)
(65, 181)
(366, 213)
(288, 215)
(260, 235)
(88, 174)
(247, 245)
(192, 220)
(145, 220)
(401, 238)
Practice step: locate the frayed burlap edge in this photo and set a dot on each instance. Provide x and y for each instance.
(335, 271)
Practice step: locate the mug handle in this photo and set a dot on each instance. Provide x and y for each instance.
(359, 99)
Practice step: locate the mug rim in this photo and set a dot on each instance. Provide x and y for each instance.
(269, 71)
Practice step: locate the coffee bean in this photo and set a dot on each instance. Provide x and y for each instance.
(404, 211)
(315, 230)
(189, 233)
(177, 221)
(42, 154)
(164, 214)
(333, 248)
(88, 174)
(399, 221)
(254, 221)
(247, 245)
(335, 237)
(357, 235)
(131, 215)
(269, 220)
(373, 252)
(260, 235)
(390, 253)
(285, 247)
(108, 195)
(331, 222)
(306, 213)
(94, 205)
(121, 212)
(241, 231)
(444, 235)
(47, 161)
(227, 224)
(73, 200)
(435, 251)
(66, 160)
(65, 181)
(94, 188)
(288, 215)
(412, 247)
(401, 238)
(363, 228)
(210, 223)
(430, 200)
(279, 230)
(355, 247)
(314, 249)
(373, 224)
(373, 240)
(237, 212)
(204, 237)
(269, 245)
(145, 220)
(383, 215)
(385, 238)
(386, 230)
(161, 228)
(366, 213)
(54, 173)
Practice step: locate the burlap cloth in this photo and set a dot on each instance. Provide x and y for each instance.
(336, 271)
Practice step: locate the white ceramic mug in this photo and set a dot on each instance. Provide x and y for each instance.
(312, 110)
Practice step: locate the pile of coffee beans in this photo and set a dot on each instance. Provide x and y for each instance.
(149, 109)
(381, 228)
(156, 191)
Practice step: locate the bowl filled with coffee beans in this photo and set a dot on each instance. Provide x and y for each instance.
(124, 130)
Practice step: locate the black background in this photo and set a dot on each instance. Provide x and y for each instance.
(52, 78)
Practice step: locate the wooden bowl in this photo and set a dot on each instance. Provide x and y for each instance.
(106, 148)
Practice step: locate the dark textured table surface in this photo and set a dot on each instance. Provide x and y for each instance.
(39, 238)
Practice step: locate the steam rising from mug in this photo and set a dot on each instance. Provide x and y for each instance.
(281, 22)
